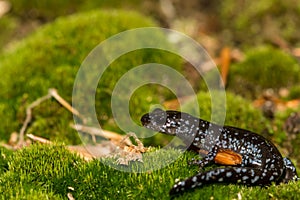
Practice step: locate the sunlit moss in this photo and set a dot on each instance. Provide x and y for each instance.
(263, 68)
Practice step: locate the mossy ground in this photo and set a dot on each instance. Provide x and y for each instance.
(52, 172)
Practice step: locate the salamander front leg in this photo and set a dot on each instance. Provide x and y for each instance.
(204, 161)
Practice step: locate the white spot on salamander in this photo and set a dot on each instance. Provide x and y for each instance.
(256, 163)
(254, 179)
(182, 183)
(194, 179)
(229, 174)
(238, 170)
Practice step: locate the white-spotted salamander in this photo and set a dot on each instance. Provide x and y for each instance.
(261, 162)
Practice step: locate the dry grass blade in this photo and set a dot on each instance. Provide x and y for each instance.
(64, 103)
(102, 133)
(38, 139)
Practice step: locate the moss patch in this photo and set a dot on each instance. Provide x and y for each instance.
(30, 177)
(4, 157)
(50, 58)
(263, 68)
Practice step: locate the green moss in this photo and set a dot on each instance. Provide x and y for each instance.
(263, 68)
(13, 186)
(44, 162)
(4, 157)
(247, 22)
(50, 58)
(32, 173)
(294, 93)
(52, 172)
(48, 10)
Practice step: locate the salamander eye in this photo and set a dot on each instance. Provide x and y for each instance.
(158, 117)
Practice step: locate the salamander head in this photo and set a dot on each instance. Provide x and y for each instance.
(167, 122)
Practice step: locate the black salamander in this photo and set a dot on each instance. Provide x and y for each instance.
(261, 162)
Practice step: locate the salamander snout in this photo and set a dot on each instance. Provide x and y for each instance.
(160, 121)
(154, 119)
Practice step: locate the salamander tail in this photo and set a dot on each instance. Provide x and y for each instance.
(243, 175)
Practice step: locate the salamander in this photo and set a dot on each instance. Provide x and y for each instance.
(260, 161)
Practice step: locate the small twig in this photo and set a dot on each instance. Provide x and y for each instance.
(38, 139)
(29, 117)
(7, 146)
(99, 132)
(64, 103)
(51, 93)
